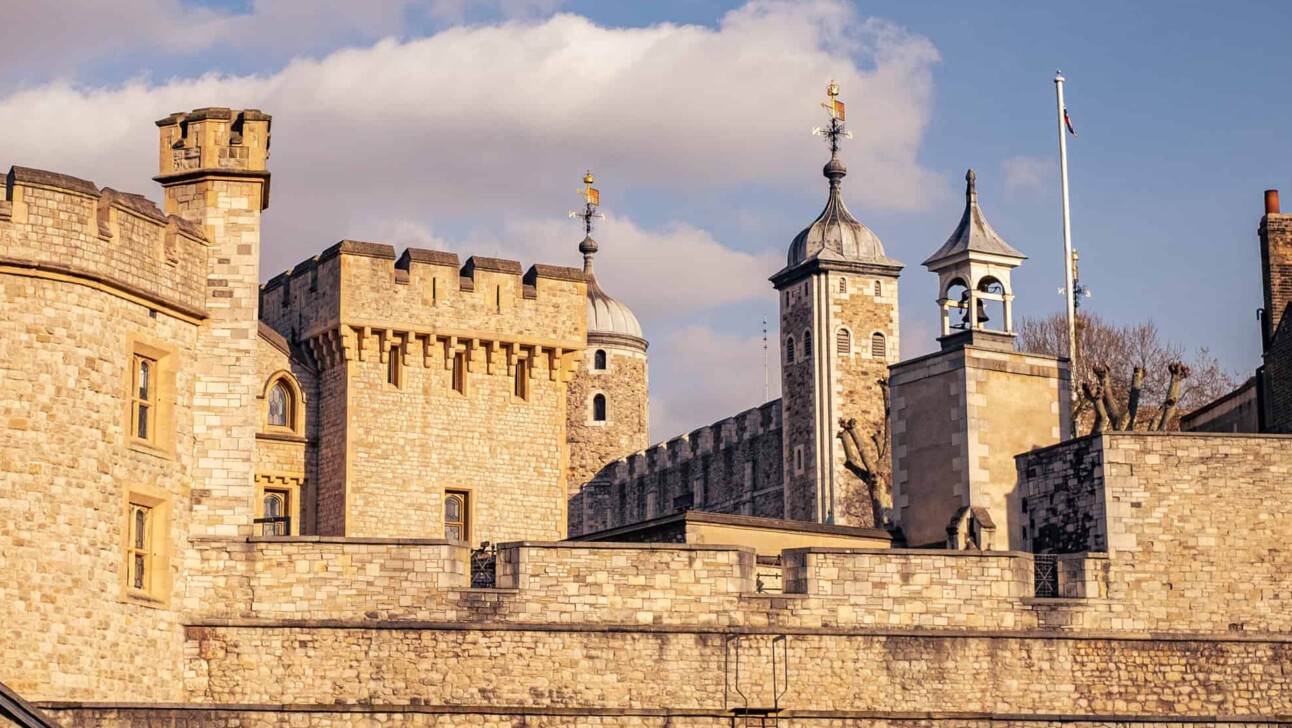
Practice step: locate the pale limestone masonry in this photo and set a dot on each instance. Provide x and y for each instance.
(731, 466)
(410, 375)
(959, 418)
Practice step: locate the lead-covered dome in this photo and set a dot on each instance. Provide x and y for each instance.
(836, 234)
(605, 314)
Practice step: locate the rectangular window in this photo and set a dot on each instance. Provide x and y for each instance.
(460, 372)
(275, 512)
(457, 520)
(145, 564)
(395, 366)
(521, 385)
(143, 397)
(139, 548)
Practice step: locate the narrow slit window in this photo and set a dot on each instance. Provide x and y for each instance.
(460, 372)
(395, 366)
(807, 344)
(143, 397)
(789, 350)
(879, 288)
(521, 385)
(878, 346)
(599, 408)
(843, 285)
(139, 554)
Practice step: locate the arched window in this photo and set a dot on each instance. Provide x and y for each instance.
(843, 342)
(599, 408)
(140, 548)
(807, 344)
(843, 285)
(879, 288)
(274, 518)
(878, 346)
(280, 405)
(599, 359)
(789, 350)
(456, 519)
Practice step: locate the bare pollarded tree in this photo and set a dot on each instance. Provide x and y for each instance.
(867, 458)
(1137, 363)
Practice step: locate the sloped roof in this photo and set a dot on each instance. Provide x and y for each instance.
(974, 233)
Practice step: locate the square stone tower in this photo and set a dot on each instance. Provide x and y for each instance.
(962, 414)
(213, 169)
(838, 299)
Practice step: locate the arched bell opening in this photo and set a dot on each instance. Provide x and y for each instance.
(991, 301)
(955, 305)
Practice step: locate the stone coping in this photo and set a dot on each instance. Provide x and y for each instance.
(698, 712)
(107, 284)
(344, 540)
(623, 546)
(1144, 434)
(731, 519)
(968, 553)
(752, 630)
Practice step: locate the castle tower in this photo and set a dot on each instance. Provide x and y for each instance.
(838, 298)
(959, 416)
(213, 169)
(608, 410)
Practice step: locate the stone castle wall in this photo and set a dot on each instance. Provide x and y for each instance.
(731, 466)
(625, 384)
(395, 437)
(1195, 524)
(802, 500)
(85, 279)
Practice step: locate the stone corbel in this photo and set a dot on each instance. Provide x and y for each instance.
(450, 349)
(348, 344)
(535, 355)
(494, 356)
(554, 363)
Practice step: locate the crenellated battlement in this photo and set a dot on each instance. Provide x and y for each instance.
(214, 140)
(731, 466)
(358, 290)
(56, 224)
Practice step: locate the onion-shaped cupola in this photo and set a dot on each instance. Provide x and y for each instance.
(836, 235)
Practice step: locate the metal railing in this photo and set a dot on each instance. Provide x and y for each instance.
(769, 576)
(280, 526)
(484, 566)
(1046, 572)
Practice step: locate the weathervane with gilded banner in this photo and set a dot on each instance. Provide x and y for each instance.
(834, 107)
(591, 199)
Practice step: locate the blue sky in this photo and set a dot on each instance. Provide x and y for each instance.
(1182, 121)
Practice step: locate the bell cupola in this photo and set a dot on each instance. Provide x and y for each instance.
(973, 268)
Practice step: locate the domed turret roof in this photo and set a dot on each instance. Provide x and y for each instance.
(836, 234)
(605, 314)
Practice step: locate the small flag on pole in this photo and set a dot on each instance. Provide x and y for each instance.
(1068, 122)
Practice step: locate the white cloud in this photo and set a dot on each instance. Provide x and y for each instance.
(494, 120)
(1029, 174)
(711, 375)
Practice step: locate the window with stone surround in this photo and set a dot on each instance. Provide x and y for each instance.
(520, 387)
(284, 411)
(150, 396)
(277, 504)
(599, 408)
(789, 350)
(843, 285)
(843, 342)
(599, 359)
(879, 288)
(145, 568)
(807, 344)
(878, 346)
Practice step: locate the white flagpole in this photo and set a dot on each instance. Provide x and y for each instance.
(1068, 293)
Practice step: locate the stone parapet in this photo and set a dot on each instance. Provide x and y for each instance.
(57, 226)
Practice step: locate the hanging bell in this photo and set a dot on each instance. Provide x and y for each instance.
(982, 311)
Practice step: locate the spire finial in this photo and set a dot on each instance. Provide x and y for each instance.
(971, 185)
(591, 201)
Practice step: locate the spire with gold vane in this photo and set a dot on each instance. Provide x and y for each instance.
(605, 314)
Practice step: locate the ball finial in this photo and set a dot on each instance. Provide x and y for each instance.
(832, 90)
(588, 178)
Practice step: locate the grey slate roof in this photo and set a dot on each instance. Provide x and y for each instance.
(836, 234)
(973, 234)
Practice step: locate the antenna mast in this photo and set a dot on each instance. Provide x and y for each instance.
(766, 379)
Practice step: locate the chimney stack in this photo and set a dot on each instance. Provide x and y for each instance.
(1276, 265)
(1271, 202)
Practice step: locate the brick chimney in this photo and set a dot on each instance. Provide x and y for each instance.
(1276, 264)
